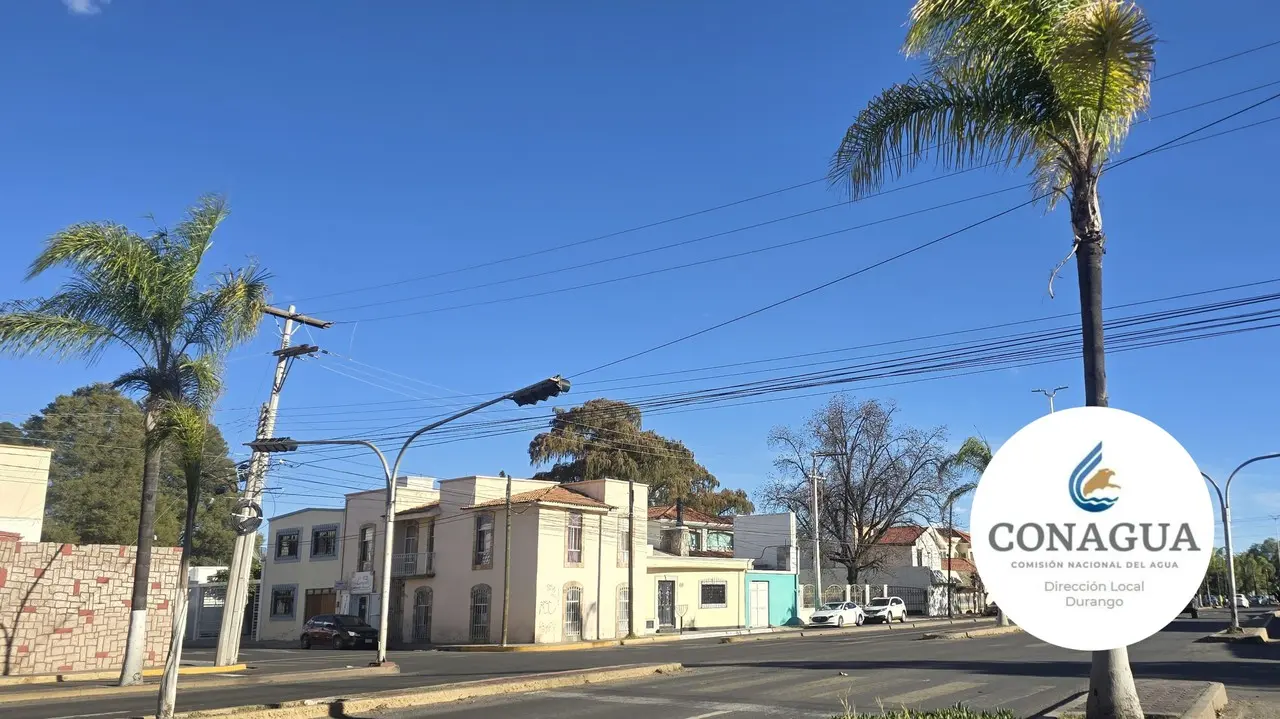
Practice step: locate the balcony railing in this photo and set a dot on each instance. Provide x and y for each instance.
(413, 564)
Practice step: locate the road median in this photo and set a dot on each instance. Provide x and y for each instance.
(373, 702)
(109, 674)
(975, 633)
(855, 631)
(89, 690)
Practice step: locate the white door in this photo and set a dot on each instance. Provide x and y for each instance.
(759, 604)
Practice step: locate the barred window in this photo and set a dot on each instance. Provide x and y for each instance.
(480, 595)
(714, 594)
(573, 539)
(483, 558)
(624, 542)
(287, 544)
(282, 602)
(324, 542)
(366, 548)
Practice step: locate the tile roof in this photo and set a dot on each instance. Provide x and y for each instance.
(901, 535)
(960, 534)
(958, 565)
(417, 509)
(557, 494)
(710, 553)
(690, 515)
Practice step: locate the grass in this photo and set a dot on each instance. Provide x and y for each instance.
(956, 712)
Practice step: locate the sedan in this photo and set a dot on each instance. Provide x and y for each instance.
(887, 609)
(338, 631)
(1242, 601)
(838, 614)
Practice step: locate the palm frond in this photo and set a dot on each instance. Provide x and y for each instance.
(101, 248)
(195, 234)
(27, 329)
(153, 382)
(227, 313)
(201, 380)
(963, 121)
(979, 33)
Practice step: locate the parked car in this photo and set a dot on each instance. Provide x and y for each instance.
(839, 614)
(339, 631)
(992, 610)
(1191, 609)
(886, 609)
(1242, 601)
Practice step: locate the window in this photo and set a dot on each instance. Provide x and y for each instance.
(573, 539)
(324, 541)
(366, 549)
(483, 558)
(624, 542)
(422, 615)
(714, 594)
(287, 544)
(720, 541)
(411, 538)
(431, 536)
(283, 600)
(919, 557)
(573, 612)
(624, 610)
(480, 612)
(695, 540)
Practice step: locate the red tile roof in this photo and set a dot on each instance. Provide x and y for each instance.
(690, 515)
(902, 535)
(958, 565)
(960, 534)
(418, 509)
(557, 494)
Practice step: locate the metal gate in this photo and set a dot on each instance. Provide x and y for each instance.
(916, 599)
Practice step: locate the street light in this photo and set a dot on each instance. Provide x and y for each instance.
(534, 393)
(1224, 500)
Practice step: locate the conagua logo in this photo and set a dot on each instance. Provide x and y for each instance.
(1093, 494)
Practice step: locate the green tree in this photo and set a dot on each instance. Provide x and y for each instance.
(604, 438)
(1054, 84)
(140, 294)
(95, 477)
(11, 433)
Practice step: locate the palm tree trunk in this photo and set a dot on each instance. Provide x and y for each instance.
(1112, 693)
(136, 644)
(168, 699)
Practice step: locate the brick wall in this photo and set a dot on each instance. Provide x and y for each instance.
(65, 608)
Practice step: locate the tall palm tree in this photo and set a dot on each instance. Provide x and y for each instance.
(972, 457)
(140, 294)
(1053, 84)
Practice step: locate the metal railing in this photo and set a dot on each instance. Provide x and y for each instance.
(413, 564)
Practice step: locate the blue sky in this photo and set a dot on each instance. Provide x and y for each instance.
(362, 147)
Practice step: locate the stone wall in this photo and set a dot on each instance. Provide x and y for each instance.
(65, 608)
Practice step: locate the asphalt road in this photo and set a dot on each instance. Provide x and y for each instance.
(797, 677)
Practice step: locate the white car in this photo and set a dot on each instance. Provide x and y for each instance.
(838, 614)
(1242, 601)
(886, 609)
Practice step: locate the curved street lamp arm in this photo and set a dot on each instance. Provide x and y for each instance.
(363, 443)
(1221, 500)
(1246, 464)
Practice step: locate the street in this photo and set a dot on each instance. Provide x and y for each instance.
(797, 677)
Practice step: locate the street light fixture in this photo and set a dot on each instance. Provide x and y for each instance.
(534, 393)
(1224, 501)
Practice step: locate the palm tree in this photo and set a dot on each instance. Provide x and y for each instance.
(140, 294)
(1054, 84)
(973, 456)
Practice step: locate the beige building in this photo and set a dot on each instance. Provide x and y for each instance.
(300, 571)
(24, 481)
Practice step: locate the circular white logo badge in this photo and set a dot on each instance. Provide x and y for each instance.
(1092, 528)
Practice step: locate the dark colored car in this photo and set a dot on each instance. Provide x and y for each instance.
(340, 631)
(1192, 609)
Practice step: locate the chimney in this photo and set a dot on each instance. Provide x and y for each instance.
(679, 512)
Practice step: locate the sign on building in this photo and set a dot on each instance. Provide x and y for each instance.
(361, 583)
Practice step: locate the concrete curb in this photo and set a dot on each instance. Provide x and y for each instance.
(976, 633)
(366, 704)
(651, 639)
(112, 674)
(77, 693)
(1206, 705)
(1248, 635)
(853, 631)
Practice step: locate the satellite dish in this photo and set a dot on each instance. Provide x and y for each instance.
(248, 518)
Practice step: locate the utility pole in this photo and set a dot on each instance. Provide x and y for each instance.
(506, 566)
(631, 559)
(1050, 394)
(817, 532)
(233, 607)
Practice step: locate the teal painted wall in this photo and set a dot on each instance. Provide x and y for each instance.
(782, 597)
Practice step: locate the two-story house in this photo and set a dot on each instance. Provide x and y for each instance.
(300, 571)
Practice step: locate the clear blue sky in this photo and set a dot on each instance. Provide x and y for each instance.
(361, 146)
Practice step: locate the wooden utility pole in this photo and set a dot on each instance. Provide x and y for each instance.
(631, 559)
(233, 606)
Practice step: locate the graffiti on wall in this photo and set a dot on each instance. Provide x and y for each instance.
(548, 613)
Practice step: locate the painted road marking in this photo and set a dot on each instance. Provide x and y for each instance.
(85, 716)
(710, 714)
(921, 695)
(818, 688)
(719, 707)
(997, 700)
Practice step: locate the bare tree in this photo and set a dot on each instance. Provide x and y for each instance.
(874, 473)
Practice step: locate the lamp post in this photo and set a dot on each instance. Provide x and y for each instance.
(1224, 501)
(532, 394)
(1050, 393)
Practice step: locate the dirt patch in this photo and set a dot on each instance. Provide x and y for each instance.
(1251, 709)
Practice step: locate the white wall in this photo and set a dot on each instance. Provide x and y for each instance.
(766, 538)
(24, 480)
(305, 572)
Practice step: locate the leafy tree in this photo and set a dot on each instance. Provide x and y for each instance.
(1054, 84)
(603, 438)
(140, 294)
(11, 433)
